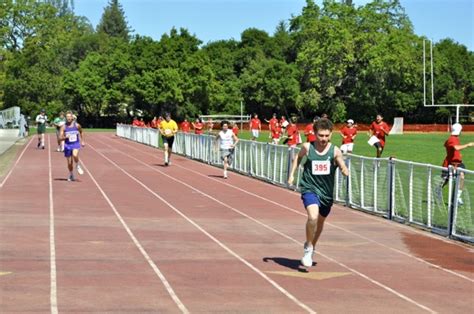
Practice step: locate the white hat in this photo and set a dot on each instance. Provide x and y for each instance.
(456, 129)
(350, 121)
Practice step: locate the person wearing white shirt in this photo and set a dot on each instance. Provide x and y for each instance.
(227, 142)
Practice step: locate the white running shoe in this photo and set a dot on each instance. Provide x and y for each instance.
(225, 175)
(71, 178)
(58, 149)
(79, 169)
(460, 201)
(307, 259)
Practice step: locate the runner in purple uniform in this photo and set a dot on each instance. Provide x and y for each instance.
(71, 134)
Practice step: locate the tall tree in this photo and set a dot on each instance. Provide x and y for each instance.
(113, 21)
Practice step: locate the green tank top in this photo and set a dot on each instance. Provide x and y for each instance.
(318, 175)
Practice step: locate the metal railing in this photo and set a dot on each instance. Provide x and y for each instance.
(407, 192)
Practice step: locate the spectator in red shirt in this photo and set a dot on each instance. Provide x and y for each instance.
(235, 128)
(348, 133)
(271, 123)
(141, 123)
(379, 129)
(293, 134)
(283, 123)
(185, 126)
(309, 131)
(255, 127)
(276, 133)
(198, 126)
(154, 123)
(135, 122)
(454, 158)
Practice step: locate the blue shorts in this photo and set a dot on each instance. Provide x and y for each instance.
(310, 198)
(68, 151)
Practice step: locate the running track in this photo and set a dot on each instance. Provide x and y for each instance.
(134, 236)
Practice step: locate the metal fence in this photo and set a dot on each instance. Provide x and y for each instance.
(408, 192)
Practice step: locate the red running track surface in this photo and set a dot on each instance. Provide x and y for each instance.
(134, 236)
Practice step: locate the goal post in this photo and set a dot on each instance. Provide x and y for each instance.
(397, 127)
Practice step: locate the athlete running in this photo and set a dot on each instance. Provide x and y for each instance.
(41, 120)
(73, 137)
(317, 182)
(168, 128)
(227, 141)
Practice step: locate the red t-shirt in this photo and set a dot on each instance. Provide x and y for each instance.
(276, 132)
(377, 130)
(198, 128)
(309, 132)
(255, 124)
(136, 123)
(235, 129)
(293, 136)
(453, 156)
(185, 126)
(272, 122)
(348, 133)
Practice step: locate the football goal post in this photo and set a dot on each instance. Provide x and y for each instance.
(397, 127)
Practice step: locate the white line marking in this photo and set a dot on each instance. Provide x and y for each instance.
(400, 295)
(52, 242)
(273, 283)
(139, 246)
(327, 223)
(16, 163)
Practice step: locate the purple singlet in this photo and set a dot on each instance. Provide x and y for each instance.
(72, 136)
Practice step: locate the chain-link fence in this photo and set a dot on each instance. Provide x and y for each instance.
(407, 192)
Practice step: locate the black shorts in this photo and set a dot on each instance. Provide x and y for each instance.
(445, 174)
(168, 140)
(378, 145)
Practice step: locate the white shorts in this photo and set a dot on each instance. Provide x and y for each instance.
(347, 148)
(255, 133)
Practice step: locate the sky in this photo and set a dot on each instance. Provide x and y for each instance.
(212, 20)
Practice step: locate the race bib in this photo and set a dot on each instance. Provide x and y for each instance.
(321, 167)
(168, 132)
(72, 137)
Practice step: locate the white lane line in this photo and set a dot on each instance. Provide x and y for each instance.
(222, 245)
(328, 223)
(138, 245)
(400, 295)
(52, 242)
(16, 163)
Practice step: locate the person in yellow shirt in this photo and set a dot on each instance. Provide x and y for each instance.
(168, 128)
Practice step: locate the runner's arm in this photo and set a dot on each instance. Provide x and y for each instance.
(236, 140)
(296, 162)
(340, 161)
(62, 136)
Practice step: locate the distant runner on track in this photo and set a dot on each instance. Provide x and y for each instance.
(317, 182)
(41, 120)
(227, 141)
(168, 128)
(73, 137)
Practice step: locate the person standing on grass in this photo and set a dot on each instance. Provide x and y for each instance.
(454, 158)
(185, 126)
(227, 142)
(255, 127)
(276, 133)
(73, 137)
(271, 124)
(348, 133)
(309, 131)
(58, 123)
(168, 128)
(235, 128)
(379, 129)
(41, 120)
(317, 182)
(198, 126)
(22, 126)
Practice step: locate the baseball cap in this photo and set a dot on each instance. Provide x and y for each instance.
(350, 121)
(456, 129)
(42, 110)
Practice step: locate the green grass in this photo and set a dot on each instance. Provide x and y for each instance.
(418, 147)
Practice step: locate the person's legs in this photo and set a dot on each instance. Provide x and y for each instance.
(226, 165)
(69, 158)
(319, 229)
(75, 155)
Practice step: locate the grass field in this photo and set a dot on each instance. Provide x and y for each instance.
(419, 147)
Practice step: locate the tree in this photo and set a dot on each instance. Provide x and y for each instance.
(113, 22)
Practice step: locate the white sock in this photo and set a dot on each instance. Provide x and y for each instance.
(459, 193)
